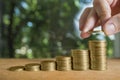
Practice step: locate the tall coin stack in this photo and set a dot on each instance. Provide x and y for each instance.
(48, 65)
(98, 54)
(80, 59)
(63, 63)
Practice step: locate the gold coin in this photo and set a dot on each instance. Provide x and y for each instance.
(95, 31)
(62, 58)
(78, 51)
(100, 67)
(97, 41)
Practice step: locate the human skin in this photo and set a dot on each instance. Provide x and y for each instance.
(104, 13)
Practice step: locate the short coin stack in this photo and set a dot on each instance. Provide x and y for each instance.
(80, 59)
(32, 67)
(98, 54)
(63, 63)
(48, 65)
(16, 68)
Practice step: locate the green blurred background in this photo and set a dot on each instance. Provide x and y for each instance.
(41, 29)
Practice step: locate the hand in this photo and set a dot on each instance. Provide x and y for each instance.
(105, 13)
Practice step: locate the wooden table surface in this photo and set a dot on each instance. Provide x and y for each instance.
(113, 72)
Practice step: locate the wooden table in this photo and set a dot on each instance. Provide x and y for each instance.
(113, 72)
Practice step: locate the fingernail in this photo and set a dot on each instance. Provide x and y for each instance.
(109, 29)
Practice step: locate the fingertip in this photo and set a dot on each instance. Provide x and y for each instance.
(85, 35)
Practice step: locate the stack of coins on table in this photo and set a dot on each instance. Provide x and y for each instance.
(48, 65)
(98, 54)
(32, 67)
(80, 59)
(16, 68)
(63, 63)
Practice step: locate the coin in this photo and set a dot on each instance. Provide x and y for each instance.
(95, 31)
(99, 67)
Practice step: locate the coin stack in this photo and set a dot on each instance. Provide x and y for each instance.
(63, 63)
(48, 65)
(16, 68)
(80, 59)
(98, 54)
(32, 67)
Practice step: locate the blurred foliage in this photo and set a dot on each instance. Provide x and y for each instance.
(40, 28)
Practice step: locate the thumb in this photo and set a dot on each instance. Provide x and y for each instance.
(112, 26)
